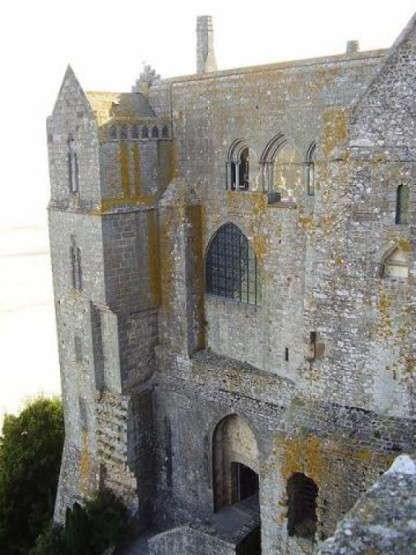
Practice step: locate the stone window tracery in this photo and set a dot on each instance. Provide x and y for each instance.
(240, 165)
(231, 269)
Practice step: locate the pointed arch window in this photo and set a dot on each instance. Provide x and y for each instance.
(231, 269)
(73, 169)
(155, 132)
(402, 204)
(238, 166)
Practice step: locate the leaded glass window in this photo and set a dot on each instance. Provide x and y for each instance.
(231, 267)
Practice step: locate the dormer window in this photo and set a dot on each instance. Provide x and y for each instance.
(73, 167)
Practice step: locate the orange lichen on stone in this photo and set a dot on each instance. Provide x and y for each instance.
(153, 256)
(335, 129)
(303, 454)
(85, 465)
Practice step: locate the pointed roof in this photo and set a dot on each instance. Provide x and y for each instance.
(71, 88)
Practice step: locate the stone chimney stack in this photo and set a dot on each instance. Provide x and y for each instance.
(353, 46)
(205, 56)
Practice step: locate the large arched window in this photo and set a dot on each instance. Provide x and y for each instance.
(231, 266)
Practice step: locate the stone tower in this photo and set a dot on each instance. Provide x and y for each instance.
(105, 153)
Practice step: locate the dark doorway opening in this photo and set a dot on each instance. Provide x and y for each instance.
(244, 481)
(302, 494)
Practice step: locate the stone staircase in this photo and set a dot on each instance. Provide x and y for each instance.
(112, 421)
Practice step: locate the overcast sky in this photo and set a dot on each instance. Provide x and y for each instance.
(106, 43)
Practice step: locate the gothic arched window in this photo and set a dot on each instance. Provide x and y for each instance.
(155, 132)
(145, 132)
(231, 268)
(241, 165)
(402, 204)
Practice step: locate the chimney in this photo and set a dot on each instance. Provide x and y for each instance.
(205, 57)
(353, 46)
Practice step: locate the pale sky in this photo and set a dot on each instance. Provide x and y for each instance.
(106, 43)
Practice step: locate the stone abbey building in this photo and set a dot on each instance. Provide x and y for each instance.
(234, 265)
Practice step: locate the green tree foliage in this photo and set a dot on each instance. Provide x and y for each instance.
(89, 530)
(30, 455)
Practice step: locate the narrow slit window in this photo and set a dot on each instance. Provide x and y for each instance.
(73, 167)
(402, 204)
(76, 267)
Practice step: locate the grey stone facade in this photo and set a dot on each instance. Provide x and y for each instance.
(287, 358)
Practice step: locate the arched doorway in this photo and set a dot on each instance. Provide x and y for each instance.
(236, 482)
(235, 462)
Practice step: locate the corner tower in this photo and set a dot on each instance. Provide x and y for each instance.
(105, 151)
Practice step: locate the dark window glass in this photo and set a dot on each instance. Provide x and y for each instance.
(231, 267)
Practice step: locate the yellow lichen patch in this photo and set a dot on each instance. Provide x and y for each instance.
(85, 465)
(405, 245)
(136, 171)
(335, 129)
(153, 256)
(124, 169)
(303, 454)
(339, 261)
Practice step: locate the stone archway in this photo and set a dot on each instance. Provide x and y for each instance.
(235, 462)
